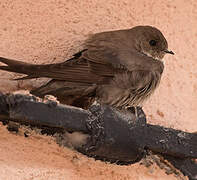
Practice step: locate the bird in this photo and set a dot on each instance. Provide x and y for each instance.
(120, 68)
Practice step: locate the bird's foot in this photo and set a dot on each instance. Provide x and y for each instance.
(138, 112)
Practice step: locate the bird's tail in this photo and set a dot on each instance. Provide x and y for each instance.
(33, 70)
(13, 65)
(16, 66)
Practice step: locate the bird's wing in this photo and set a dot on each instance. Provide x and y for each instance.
(74, 70)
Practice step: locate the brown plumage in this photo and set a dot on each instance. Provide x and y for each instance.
(120, 68)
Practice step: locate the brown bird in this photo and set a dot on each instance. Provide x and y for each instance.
(120, 68)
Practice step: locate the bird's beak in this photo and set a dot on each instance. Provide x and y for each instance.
(169, 52)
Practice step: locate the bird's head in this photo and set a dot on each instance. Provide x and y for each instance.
(150, 41)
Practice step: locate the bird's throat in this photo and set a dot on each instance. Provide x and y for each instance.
(149, 55)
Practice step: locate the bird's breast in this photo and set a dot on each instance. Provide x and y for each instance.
(129, 89)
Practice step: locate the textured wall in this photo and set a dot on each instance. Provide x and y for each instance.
(45, 31)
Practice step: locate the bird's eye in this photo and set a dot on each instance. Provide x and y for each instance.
(152, 42)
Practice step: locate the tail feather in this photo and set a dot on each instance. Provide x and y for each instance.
(11, 62)
(13, 65)
(73, 70)
(6, 68)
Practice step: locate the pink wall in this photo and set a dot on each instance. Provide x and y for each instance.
(45, 31)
